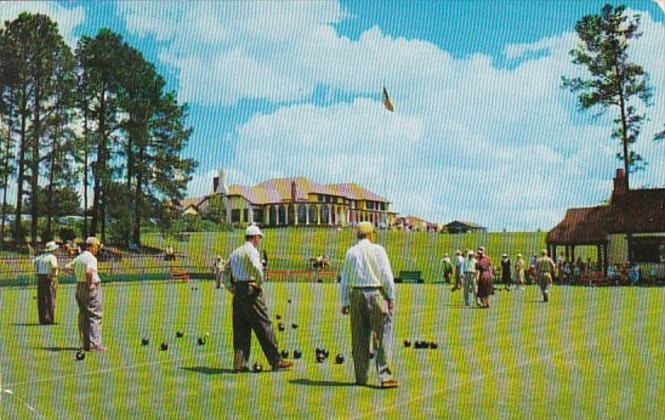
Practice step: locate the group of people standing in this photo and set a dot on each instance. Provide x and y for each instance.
(88, 291)
(475, 274)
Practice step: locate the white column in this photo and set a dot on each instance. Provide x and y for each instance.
(277, 216)
(250, 214)
(295, 213)
(228, 209)
(330, 215)
(307, 214)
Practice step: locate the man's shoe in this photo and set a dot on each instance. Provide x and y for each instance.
(391, 383)
(243, 369)
(98, 349)
(283, 365)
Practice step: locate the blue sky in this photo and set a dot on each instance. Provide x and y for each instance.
(481, 130)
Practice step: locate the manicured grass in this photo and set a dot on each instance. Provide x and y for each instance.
(290, 248)
(589, 353)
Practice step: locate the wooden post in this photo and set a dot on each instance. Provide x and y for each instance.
(572, 252)
(567, 253)
(606, 260)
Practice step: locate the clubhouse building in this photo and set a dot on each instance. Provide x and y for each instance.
(296, 202)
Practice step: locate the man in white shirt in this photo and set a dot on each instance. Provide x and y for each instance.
(368, 294)
(88, 295)
(470, 276)
(459, 270)
(244, 280)
(46, 266)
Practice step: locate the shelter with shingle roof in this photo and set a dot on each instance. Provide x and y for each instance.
(630, 228)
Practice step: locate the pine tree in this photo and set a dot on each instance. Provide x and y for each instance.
(615, 83)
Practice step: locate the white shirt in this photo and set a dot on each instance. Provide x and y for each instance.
(246, 264)
(459, 262)
(367, 265)
(83, 264)
(470, 265)
(46, 264)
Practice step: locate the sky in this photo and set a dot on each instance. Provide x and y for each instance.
(481, 131)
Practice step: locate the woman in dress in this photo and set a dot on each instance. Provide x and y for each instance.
(485, 278)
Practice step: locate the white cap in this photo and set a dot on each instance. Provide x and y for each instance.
(51, 246)
(253, 230)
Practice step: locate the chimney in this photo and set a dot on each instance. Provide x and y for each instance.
(215, 184)
(293, 191)
(620, 187)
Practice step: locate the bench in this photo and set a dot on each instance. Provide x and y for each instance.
(406, 276)
(178, 274)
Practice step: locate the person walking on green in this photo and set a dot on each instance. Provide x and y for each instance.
(545, 270)
(46, 266)
(368, 294)
(469, 268)
(88, 295)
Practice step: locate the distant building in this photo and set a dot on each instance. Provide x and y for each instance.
(457, 226)
(414, 223)
(630, 228)
(189, 206)
(297, 202)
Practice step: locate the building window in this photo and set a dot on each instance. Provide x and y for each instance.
(258, 215)
(649, 250)
(235, 216)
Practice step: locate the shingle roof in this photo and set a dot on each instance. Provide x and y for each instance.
(279, 190)
(191, 201)
(469, 224)
(636, 211)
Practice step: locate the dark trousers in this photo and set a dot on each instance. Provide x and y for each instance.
(250, 313)
(46, 291)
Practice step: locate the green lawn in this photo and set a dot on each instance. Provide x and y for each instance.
(290, 248)
(589, 353)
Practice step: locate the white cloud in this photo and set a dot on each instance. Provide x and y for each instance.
(468, 140)
(68, 19)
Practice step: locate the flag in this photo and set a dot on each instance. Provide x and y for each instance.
(386, 100)
(661, 3)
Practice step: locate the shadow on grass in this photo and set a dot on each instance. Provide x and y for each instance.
(58, 349)
(31, 324)
(208, 370)
(309, 382)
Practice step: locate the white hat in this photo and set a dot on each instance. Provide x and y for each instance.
(253, 230)
(51, 246)
(92, 241)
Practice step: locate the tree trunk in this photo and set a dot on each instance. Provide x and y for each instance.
(19, 238)
(98, 168)
(85, 170)
(130, 165)
(101, 161)
(624, 129)
(5, 181)
(138, 199)
(51, 180)
(34, 165)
